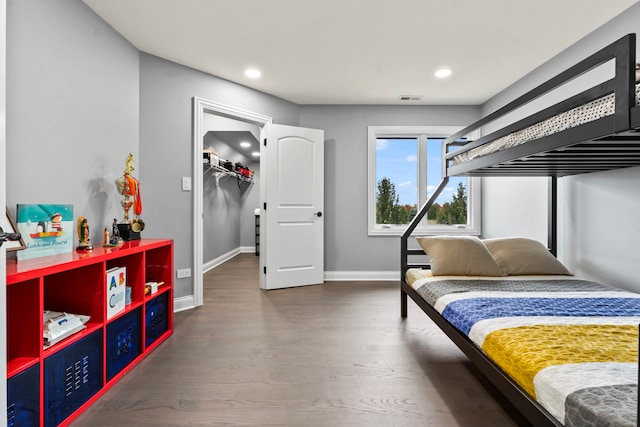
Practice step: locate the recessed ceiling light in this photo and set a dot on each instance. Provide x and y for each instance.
(252, 73)
(256, 154)
(443, 73)
(245, 144)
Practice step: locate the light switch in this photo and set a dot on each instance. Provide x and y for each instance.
(186, 183)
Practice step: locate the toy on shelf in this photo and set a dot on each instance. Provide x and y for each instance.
(84, 241)
(59, 325)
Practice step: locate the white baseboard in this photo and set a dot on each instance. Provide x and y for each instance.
(184, 303)
(368, 276)
(217, 261)
(226, 257)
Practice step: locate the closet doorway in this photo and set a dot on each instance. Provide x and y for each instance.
(231, 193)
(292, 160)
(221, 126)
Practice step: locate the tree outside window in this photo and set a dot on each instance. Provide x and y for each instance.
(405, 167)
(389, 211)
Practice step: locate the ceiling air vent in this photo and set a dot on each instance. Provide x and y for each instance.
(410, 97)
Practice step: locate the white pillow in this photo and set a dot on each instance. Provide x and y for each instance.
(459, 256)
(519, 256)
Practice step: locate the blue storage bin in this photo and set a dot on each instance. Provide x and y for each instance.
(71, 377)
(156, 318)
(124, 342)
(23, 401)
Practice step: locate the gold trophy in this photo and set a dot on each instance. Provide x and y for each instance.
(129, 187)
(124, 189)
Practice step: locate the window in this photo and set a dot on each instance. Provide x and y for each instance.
(405, 168)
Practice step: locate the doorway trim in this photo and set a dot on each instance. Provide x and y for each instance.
(201, 107)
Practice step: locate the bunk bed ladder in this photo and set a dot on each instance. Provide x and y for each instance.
(404, 249)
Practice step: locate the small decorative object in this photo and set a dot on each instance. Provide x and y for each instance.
(9, 231)
(46, 229)
(114, 240)
(129, 187)
(151, 288)
(84, 241)
(137, 225)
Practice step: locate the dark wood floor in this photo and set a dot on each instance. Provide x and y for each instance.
(336, 354)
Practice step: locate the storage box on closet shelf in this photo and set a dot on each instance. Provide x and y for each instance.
(212, 160)
(210, 157)
(243, 170)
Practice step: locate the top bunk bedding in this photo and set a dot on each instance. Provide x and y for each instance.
(589, 112)
(597, 129)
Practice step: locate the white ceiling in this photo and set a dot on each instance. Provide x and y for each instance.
(360, 51)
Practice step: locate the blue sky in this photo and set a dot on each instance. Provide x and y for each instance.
(397, 159)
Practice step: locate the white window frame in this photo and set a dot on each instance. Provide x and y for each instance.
(422, 133)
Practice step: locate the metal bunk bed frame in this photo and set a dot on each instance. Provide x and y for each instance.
(611, 142)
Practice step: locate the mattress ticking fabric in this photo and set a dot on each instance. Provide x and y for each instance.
(594, 110)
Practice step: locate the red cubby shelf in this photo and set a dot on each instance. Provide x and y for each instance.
(24, 325)
(128, 308)
(76, 283)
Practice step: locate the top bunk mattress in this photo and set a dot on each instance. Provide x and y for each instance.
(594, 110)
(570, 344)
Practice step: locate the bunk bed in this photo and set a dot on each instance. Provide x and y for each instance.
(595, 130)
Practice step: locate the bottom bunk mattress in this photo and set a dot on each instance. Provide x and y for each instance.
(571, 344)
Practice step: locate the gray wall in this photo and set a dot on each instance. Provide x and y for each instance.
(72, 109)
(599, 231)
(515, 207)
(222, 199)
(166, 151)
(348, 247)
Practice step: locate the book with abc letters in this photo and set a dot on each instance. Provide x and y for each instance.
(116, 286)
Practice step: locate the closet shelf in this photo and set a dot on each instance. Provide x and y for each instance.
(227, 172)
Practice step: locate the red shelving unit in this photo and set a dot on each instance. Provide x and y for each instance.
(72, 373)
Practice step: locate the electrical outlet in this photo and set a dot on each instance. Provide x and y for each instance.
(182, 273)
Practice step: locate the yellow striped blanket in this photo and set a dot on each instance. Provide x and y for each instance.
(570, 344)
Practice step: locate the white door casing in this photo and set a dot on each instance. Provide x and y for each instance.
(201, 107)
(3, 195)
(294, 197)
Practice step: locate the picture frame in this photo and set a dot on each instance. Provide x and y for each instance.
(9, 226)
(47, 229)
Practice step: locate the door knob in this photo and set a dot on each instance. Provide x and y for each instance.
(318, 214)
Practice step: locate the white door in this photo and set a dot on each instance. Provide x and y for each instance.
(293, 232)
